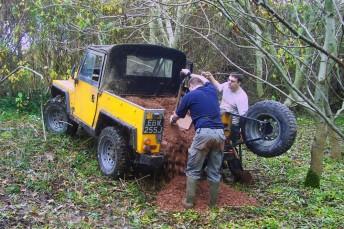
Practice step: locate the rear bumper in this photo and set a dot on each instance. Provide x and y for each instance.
(150, 160)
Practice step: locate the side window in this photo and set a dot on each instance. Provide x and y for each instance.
(91, 67)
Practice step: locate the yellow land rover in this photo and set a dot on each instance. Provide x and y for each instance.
(93, 98)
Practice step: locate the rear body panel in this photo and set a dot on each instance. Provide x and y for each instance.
(131, 114)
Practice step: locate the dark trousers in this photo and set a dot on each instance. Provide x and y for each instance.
(235, 134)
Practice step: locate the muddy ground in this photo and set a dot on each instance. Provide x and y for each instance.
(175, 145)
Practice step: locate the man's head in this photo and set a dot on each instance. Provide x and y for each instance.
(195, 83)
(234, 81)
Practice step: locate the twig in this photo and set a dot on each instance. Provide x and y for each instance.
(2, 79)
(66, 123)
(142, 178)
(34, 128)
(315, 45)
(122, 183)
(7, 129)
(42, 118)
(137, 182)
(87, 140)
(117, 190)
(339, 111)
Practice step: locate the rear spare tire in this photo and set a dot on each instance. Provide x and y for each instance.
(276, 136)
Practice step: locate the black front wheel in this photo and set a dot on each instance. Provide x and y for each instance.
(274, 134)
(56, 118)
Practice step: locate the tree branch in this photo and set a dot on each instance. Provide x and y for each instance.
(293, 31)
(16, 70)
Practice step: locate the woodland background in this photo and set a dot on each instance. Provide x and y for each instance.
(289, 51)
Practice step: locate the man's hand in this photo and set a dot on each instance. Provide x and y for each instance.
(173, 119)
(211, 78)
(185, 72)
(207, 75)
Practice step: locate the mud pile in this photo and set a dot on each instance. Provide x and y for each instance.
(170, 197)
(175, 141)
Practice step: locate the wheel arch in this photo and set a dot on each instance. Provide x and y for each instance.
(55, 91)
(105, 119)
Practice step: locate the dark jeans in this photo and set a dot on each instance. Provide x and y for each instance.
(235, 134)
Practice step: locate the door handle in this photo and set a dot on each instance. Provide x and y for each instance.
(92, 98)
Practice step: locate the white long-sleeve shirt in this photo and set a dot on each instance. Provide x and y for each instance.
(234, 102)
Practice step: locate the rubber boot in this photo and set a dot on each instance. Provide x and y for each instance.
(214, 191)
(191, 184)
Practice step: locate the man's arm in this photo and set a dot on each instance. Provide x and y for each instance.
(181, 110)
(211, 78)
(242, 104)
(187, 72)
(204, 80)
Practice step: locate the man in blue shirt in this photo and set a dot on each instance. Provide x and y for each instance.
(208, 142)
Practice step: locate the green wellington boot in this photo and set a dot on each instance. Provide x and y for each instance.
(214, 191)
(191, 185)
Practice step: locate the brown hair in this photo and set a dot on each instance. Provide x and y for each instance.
(237, 75)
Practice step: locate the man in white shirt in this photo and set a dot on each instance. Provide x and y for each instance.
(234, 100)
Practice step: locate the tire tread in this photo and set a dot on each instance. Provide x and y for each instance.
(288, 137)
(121, 149)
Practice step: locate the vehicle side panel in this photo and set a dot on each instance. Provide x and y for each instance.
(85, 102)
(133, 115)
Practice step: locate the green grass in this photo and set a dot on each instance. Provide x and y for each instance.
(57, 183)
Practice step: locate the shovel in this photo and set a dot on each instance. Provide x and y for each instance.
(183, 123)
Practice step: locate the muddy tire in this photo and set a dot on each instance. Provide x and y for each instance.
(277, 136)
(112, 151)
(56, 119)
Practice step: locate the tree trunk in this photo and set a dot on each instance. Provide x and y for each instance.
(321, 100)
(162, 30)
(298, 81)
(259, 56)
(336, 144)
(259, 62)
(317, 154)
(152, 30)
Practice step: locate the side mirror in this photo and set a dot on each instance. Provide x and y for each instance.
(72, 71)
